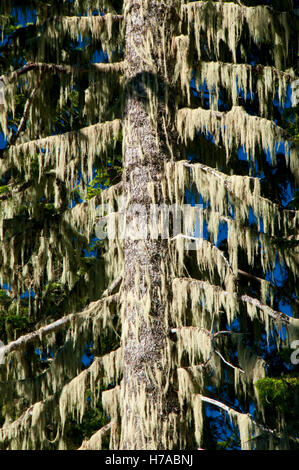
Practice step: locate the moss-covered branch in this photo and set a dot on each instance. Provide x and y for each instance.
(44, 331)
(205, 286)
(240, 187)
(95, 442)
(211, 18)
(236, 128)
(189, 337)
(24, 118)
(62, 69)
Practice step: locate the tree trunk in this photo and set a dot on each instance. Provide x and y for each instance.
(149, 404)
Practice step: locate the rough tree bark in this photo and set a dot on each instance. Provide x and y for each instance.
(148, 401)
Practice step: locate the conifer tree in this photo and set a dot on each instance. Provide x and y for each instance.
(137, 114)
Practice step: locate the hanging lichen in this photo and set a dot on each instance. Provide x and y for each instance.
(225, 21)
(164, 344)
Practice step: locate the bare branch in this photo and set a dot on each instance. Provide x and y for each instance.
(220, 333)
(228, 363)
(217, 403)
(38, 334)
(234, 413)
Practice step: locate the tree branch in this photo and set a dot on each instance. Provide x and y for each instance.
(217, 403)
(44, 331)
(232, 411)
(23, 119)
(257, 69)
(277, 316)
(212, 337)
(82, 133)
(113, 287)
(37, 66)
(272, 286)
(116, 188)
(241, 272)
(228, 363)
(62, 69)
(108, 17)
(105, 195)
(113, 67)
(204, 330)
(199, 4)
(225, 180)
(221, 254)
(25, 114)
(93, 370)
(264, 308)
(18, 189)
(92, 443)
